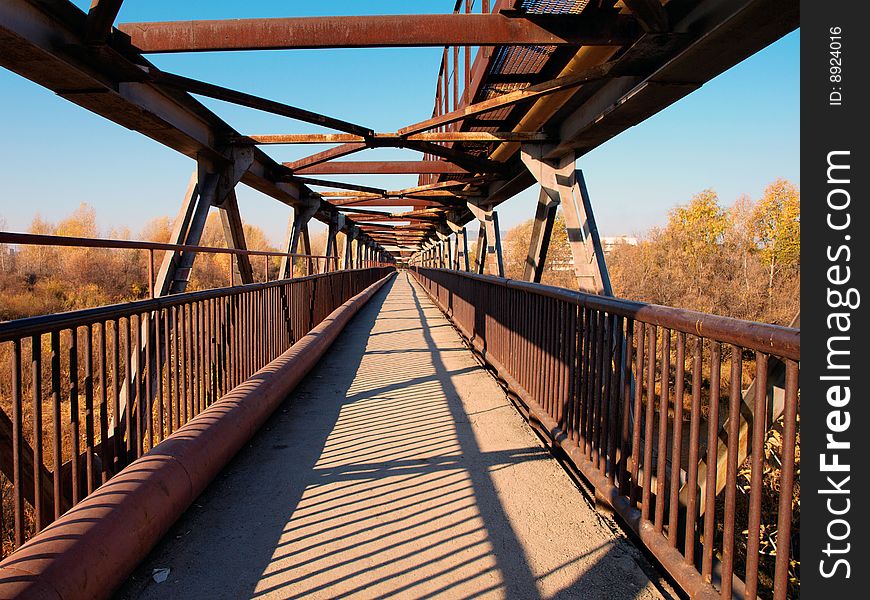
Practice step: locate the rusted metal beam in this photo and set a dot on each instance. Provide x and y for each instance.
(489, 250)
(325, 156)
(227, 203)
(362, 211)
(385, 202)
(28, 471)
(532, 92)
(425, 215)
(390, 217)
(194, 86)
(384, 138)
(341, 185)
(234, 234)
(542, 228)
(772, 389)
(388, 229)
(600, 28)
(348, 194)
(295, 231)
(382, 167)
(175, 269)
(462, 249)
(466, 161)
(442, 185)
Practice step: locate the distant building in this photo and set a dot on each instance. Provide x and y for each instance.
(609, 243)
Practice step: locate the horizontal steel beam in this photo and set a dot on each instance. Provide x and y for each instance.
(385, 202)
(325, 156)
(390, 138)
(340, 185)
(382, 167)
(599, 28)
(386, 217)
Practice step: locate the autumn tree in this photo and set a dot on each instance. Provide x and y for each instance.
(776, 222)
(741, 262)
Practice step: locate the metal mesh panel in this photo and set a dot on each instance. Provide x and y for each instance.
(554, 6)
(521, 59)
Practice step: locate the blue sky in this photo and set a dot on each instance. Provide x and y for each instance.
(735, 135)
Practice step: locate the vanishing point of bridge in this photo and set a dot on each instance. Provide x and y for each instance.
(394, 418)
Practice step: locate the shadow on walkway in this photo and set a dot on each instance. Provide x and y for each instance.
(397, 469)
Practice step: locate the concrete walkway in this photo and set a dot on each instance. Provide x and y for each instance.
(398, 469)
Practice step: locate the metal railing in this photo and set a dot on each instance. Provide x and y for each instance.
(89, 391)
(638, 396)
(311, 263)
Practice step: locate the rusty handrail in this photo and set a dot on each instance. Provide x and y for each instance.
(34, 239)
(637, 396)
(312, 260)
(41, 324)
(88, 552)
(763, 337)
(90, 391)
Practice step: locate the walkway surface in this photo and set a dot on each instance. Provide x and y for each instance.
(397, 469)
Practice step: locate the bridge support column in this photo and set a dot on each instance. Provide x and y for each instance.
(480, 250)
(350, 237)
(335, 225)
(297, 229)
(227, 204)
(305, 238)
(460, 255)
(441, 251)
(208, 187)
(489, 254)
(542, 229)
(234, 233)
(564, 185)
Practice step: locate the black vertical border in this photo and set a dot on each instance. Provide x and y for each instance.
(825, 128)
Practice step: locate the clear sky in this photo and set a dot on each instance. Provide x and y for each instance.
(735, 135)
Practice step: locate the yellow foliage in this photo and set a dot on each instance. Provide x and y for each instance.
(42, 279)
(706, 258)
(777, 220)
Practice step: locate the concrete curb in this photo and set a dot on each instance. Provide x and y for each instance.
(89, 551)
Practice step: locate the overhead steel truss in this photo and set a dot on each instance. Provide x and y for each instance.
(543, 89)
